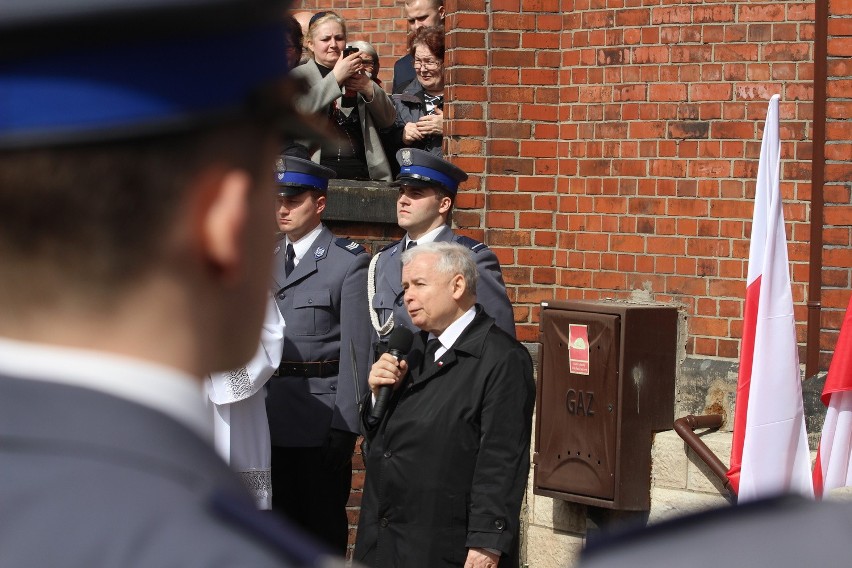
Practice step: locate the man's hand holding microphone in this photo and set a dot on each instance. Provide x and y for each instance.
(389, 370)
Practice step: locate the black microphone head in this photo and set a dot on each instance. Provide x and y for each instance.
(400, 339)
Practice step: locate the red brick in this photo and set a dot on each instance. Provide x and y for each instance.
(761, 12)
(671, 15)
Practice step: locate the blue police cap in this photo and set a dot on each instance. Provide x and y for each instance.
(295, 175)
(421, 168)
(94, 70)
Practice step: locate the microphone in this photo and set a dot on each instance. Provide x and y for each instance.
(399, 344)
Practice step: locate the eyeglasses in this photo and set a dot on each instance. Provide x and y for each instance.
(430, 64)
(368, 62)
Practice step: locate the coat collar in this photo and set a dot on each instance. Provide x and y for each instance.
(471, 342)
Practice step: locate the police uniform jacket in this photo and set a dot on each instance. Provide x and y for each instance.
(324, 306)
(84, 485)
(377, 114)
(490, 288)
(448, 464)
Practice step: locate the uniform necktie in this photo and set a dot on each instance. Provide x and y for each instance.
(410, 245)
(289, 259)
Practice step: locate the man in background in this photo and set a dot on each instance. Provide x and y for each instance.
(319, 283)
(419, 13)
(427, 190)
(134, 260)
(304, 20)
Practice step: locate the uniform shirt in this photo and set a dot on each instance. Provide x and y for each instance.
(427, 238)
(300, 247)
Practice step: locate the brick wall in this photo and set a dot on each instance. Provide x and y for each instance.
(837, 237)
(612, 147)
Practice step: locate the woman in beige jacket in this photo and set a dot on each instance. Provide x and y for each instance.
(356, 106)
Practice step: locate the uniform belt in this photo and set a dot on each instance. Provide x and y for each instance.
(308, 369)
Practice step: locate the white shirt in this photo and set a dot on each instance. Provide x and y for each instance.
(453, 331)
(162, 388)
(300, 247)
(427, 238)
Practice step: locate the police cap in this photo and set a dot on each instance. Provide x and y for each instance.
(95, 70)
(295, 175)
(421, 168)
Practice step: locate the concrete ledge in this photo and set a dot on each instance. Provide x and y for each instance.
(545, 548)
(669, 464)
(671, 503)
(361, 201)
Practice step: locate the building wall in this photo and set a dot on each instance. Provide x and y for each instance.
(612, 147)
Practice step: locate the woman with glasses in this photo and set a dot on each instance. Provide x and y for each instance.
(419, 108)
(341, 90)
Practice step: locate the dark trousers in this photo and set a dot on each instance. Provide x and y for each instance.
(310, 486)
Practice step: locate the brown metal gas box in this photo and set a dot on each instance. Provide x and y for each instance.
(606, 384)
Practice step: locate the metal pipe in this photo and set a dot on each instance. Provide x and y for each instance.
(685, 429)
(817, 182)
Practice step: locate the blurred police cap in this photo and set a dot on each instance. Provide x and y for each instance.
(92, 70)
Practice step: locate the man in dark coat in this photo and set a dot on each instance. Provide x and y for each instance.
(447, 464)
(428, 186)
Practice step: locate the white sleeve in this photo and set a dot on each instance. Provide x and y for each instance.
(239, 384)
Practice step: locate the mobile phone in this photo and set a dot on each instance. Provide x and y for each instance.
(348, 50)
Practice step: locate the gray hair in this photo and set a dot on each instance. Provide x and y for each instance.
(365, 47)
(453, 258)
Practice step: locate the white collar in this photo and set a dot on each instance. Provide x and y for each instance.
(453, 331)
(301, 246)
(162, 388)
(427, 238)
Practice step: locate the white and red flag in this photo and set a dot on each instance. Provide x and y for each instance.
(770, 452)
(832, 468)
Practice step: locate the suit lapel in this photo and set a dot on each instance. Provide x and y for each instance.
(471, 342)
(445, 235)
(279, 276)
(393, 274)
(307, 266)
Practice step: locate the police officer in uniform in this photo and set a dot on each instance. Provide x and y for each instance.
(134, 245)
(427, 189)
(319, 283)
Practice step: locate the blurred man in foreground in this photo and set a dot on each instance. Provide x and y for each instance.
(135, 248)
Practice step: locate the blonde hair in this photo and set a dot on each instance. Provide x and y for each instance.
(320, 18)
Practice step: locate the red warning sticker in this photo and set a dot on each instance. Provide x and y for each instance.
(578, 349)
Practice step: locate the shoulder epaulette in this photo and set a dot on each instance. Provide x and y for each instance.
(472, 244)
(350, 246)
(391, 245)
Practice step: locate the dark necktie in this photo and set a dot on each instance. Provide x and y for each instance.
(289, 260)
(410, 245)
(432, 347)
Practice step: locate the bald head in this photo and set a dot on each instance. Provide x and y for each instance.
(304, 19)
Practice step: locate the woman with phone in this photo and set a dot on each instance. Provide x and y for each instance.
(356, 106)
